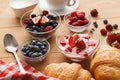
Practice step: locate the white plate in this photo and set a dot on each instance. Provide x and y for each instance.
(44, 6)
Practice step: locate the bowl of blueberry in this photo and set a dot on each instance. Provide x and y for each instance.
(34, 50)
(77, 21)
(40, 24)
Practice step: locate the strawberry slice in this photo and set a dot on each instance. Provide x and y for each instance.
(80, 44)
(91, 44)
(44, 19)
(75, 37)
(71, 42)
(111, 38)
(36, 19)
(78, 51)
(69, 49)
(62, 42)
(87, 37)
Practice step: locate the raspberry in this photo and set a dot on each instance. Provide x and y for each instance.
(86, 21)
(45, 12)
(109, 27)
(94, 12)
(81, 16)
(73, 14)
(83, 13)
(48, 28)
(73, 19)
(103, 32)
(80, 22)
(75, 24)
(26, 20)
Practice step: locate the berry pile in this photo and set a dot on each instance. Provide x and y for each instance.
(77, 19)
(41, 23)
(113, 40)
(35, 49)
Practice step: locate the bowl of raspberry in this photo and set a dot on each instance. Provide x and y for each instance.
(40, 24)
(77, 21)
(34, 50)
(113, 40)
(77, 46)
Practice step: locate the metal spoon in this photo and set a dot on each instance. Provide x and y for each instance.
(11, 45)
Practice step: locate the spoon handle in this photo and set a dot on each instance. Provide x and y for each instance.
(19, 64)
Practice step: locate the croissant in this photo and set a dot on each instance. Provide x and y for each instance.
(105, 64)
(66, 71)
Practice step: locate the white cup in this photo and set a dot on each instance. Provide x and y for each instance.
(60, 4)
(21, 6)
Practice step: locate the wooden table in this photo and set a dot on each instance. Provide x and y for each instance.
(108, 9)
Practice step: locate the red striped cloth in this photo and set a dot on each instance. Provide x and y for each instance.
(11, 72)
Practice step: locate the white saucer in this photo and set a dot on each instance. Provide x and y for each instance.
(44, 6)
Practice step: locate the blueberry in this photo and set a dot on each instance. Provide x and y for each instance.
(39, 54)
(95, 24)
(44, 43)
(105, 21)
(31, 23)
(44, 51)
(49, 16)
(115, 26)
(42, 47)
(55, 24)
(33, 15)
(54, 18)
(29, 54)
(34, 55)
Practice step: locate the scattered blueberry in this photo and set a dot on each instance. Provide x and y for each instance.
(95, 24)
(35, 48)
(105, 21)
(115, 26)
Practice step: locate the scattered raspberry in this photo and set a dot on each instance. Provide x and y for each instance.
(94, 12)
(83, 13)
(45, 12)
(80, 44)
(48, 28)
(26, 20)
(109, 27)
(103, 32)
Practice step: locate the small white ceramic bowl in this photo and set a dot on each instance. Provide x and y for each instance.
(21, 6)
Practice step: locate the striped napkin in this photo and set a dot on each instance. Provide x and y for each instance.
(11, 72)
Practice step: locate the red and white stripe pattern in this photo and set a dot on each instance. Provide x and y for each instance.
(11, 72)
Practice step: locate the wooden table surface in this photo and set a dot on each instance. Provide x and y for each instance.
(108, 9)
